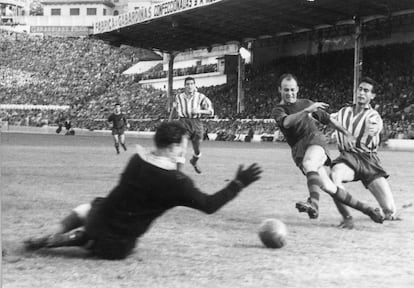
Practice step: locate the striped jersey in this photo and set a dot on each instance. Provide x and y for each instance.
(188, 106)
(365, 126)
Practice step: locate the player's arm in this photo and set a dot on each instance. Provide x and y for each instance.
(192, 197)
(175, 109)
(291, 119)
(349, 137)
(111, 120)
(206, 107)
(126, 122)
(374, 124)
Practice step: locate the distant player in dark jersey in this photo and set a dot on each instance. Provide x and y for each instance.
(361, 162)
(119, 124)
(297, 121)
(149, 186)
(190, 106)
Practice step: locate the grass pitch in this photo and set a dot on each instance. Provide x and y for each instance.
(44, 176)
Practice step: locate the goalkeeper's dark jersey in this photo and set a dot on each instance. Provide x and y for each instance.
(144, 193)
(303, 128)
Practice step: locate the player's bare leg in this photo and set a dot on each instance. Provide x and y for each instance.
(197, 154)
(122, 141)
(342, 173)
(313, 160)
(331, 187)
(116, 143)
(382, 192)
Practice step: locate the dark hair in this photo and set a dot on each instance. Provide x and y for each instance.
(168, 133)
(369, 81)
(287, 76)
(188, 79)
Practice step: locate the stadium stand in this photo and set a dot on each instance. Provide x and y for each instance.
(87, 75)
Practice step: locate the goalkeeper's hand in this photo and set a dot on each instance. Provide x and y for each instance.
(249, 175)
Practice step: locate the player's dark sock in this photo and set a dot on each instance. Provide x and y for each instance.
(117, 148)
(124, 146)
(342, 209)
(344, 197)
(314, 187)
(72, 238)
(70, 222)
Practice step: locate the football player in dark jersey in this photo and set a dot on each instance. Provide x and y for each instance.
(119, 124)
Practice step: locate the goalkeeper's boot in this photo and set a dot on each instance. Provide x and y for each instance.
(73, 238)
(310, 207)
(33, 244)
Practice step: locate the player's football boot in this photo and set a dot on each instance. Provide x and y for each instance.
(375, 215)
(193, 162)
(309, 207)
(347, 223)
(73, 238)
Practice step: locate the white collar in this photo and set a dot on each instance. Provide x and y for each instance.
(162, 162)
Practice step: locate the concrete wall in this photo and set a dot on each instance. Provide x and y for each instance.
(202, 80)
(65, 9)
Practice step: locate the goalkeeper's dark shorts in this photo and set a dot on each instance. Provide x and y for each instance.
(105, 244)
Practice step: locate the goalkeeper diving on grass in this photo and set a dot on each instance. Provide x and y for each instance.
(109, 227)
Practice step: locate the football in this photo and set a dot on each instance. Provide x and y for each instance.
(273, 233)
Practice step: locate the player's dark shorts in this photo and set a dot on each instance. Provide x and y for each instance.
(367, 167)
(299, 149)
(105, 243)
(194, 127)
(119, 131)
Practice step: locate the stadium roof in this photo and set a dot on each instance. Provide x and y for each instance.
(179, 25)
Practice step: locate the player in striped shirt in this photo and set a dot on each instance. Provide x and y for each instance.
(361, 162)
(297, 121)
(190, 106)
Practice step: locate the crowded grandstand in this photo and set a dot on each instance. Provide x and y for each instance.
(86, 75)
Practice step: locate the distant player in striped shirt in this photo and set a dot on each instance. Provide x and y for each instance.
(297, 121)
(361, 163)
(190, 106)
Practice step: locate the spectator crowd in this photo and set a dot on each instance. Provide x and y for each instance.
(86, 74)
